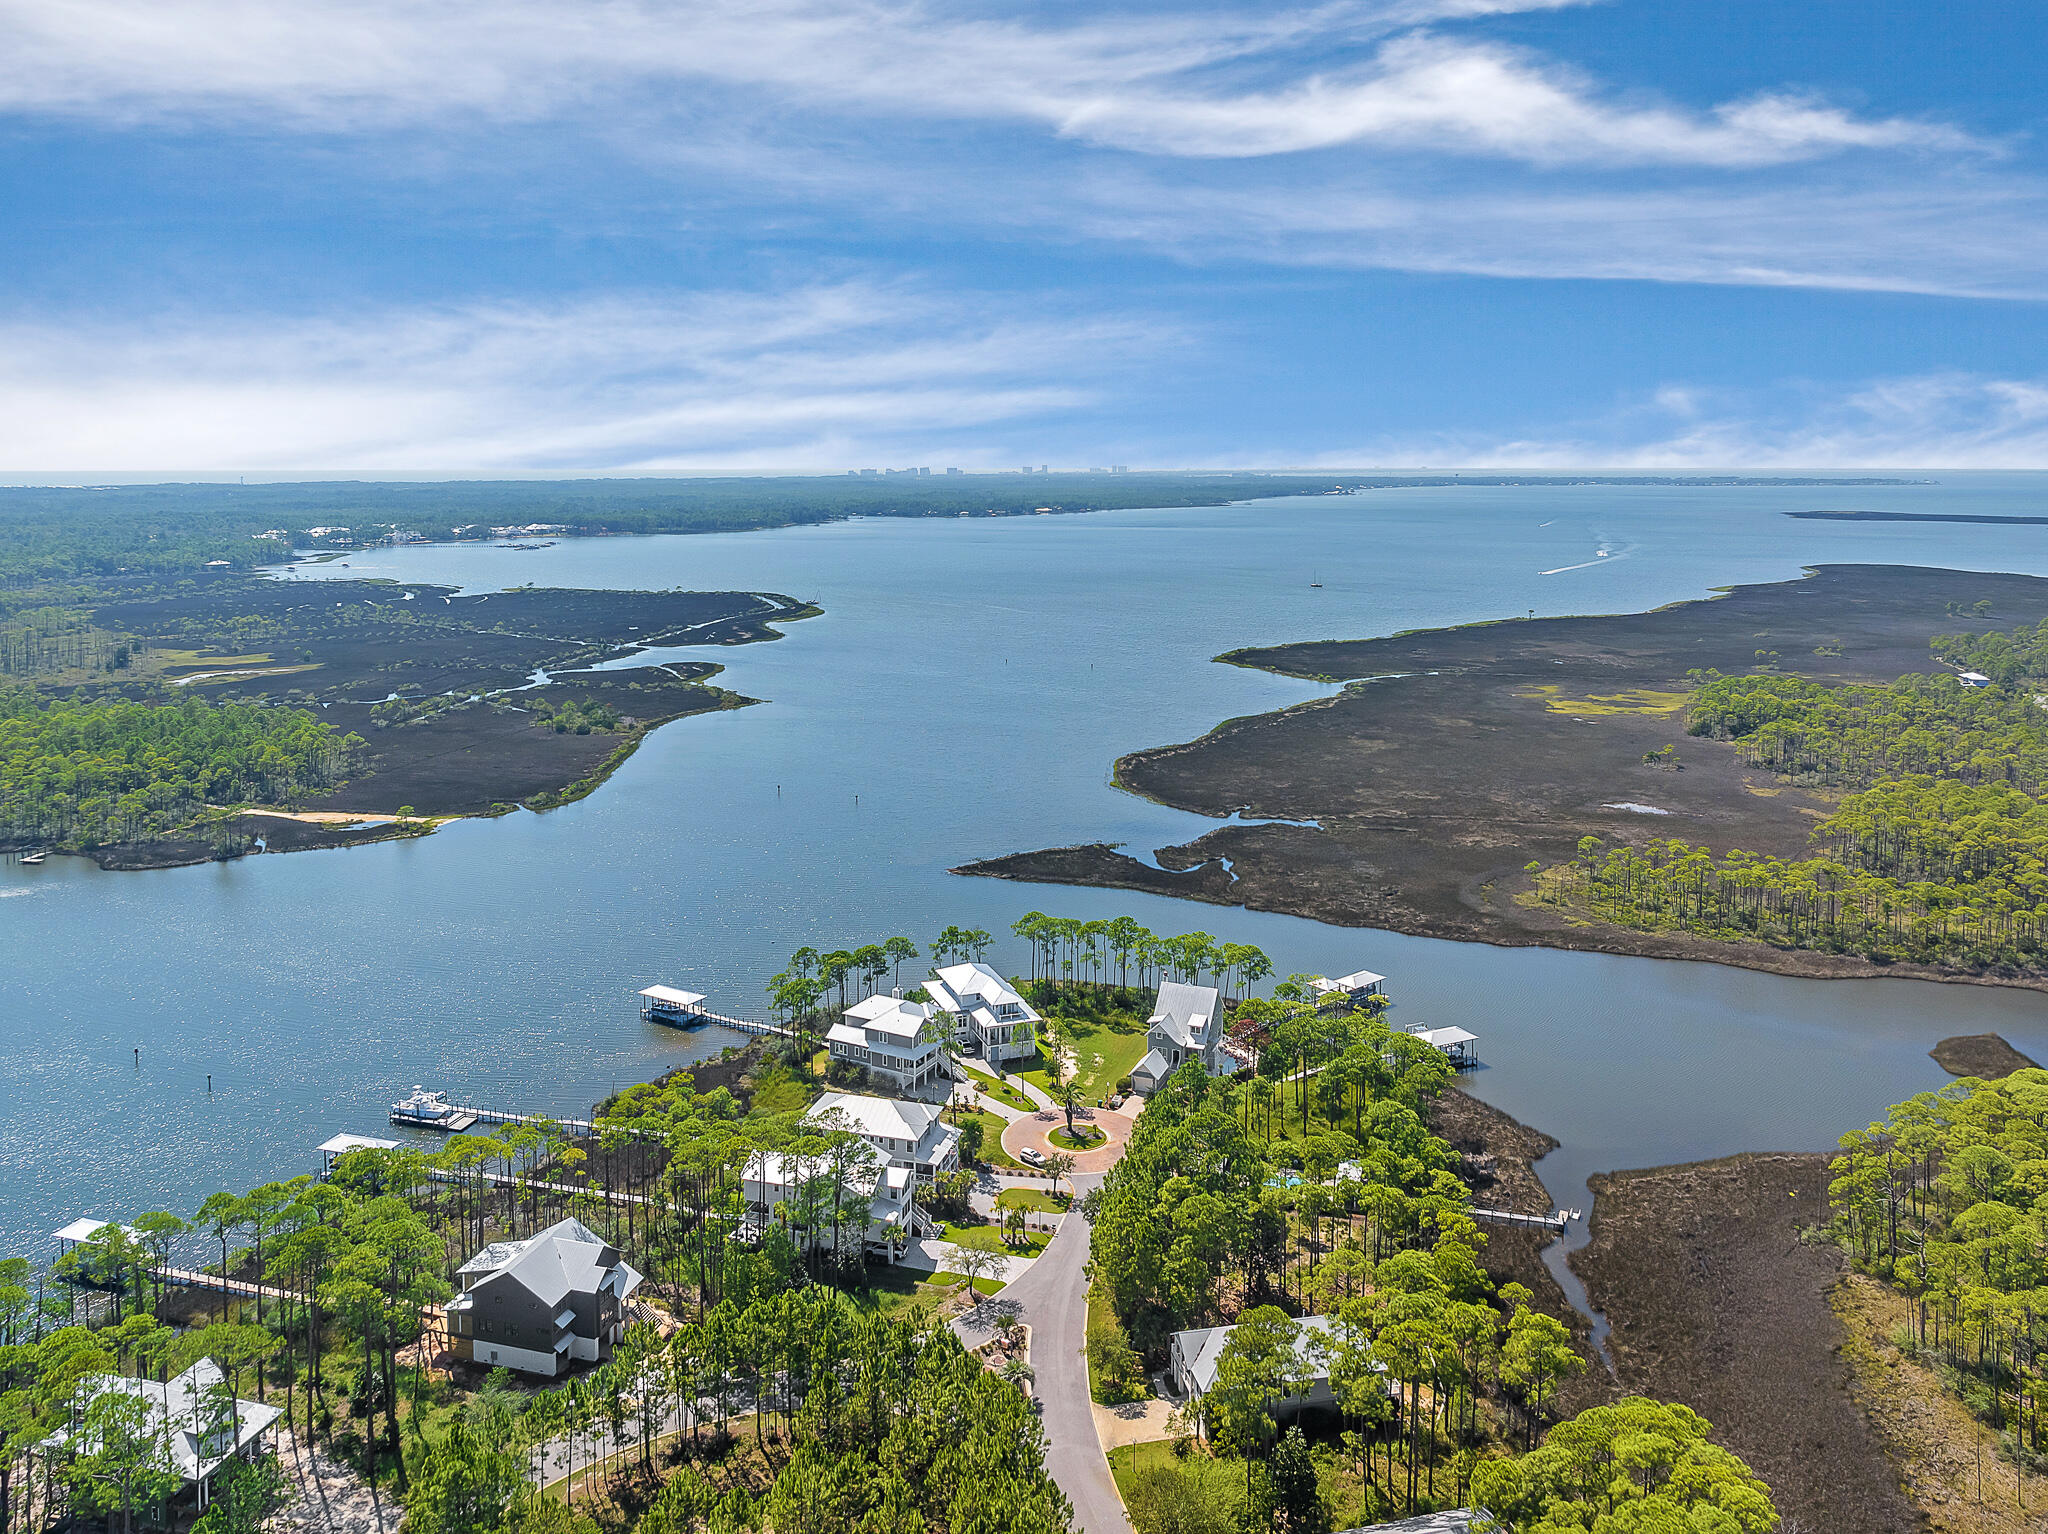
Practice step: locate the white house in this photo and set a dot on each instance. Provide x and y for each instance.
(533, 1305)
(1192, 1359)
(989, 1018)
(1186, 1024)
(1357, 989)
(773, 1180)
(910, 1135)
(1973, 679)
(202, 1426)
(885, 1035)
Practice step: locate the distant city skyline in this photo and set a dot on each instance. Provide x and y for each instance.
(818, 236)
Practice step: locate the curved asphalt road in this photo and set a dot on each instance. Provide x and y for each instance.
(1052, 1299)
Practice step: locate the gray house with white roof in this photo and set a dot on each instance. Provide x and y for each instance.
(203, 1427)
(909, 1135)
(534, 1305)
(1193, 1357)
(1186, 1024)
(887, 1037)
(989, 1018)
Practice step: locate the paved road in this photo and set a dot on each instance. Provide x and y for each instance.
(1052, 1299)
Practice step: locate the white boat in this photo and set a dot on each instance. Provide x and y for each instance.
(29, 860)
(423, 1107)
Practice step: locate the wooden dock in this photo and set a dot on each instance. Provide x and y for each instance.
(672, 1008)
(192, 1278)
(1558, 1220)
(477, 1115)
(569, 1189)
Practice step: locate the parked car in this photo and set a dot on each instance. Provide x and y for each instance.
(1030, 1157)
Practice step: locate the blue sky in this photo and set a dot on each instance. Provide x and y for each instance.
(506, 236)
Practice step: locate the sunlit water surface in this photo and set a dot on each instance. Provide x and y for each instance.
(964, 695)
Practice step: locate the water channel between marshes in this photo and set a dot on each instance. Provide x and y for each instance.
(969, 684)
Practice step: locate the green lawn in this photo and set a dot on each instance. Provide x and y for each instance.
(992, 1127)
(893, 1291)
(1104, 1053)
(989, 1238)
(1031, 1198)
(1089, 1140)
(1001, 1091)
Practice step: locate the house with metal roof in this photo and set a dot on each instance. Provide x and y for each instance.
(199, 1423)
(801, 1192)
(1192, 1358)
(537, 1304)
(989, 1018)
(911, 1135)
(888, 1038)
(1186, 1024)
(1457, 1520)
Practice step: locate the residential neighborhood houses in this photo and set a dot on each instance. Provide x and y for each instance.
(536, 1304)
(844, 1179)
(891, 1039)
(989, 1018)
(909, 1135)
(1186, 1024)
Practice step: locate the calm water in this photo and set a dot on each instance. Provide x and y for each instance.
(970, 685)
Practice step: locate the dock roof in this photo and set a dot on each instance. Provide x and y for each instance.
(341, 1144)
(668, 995)
(87, 1229)
(1443, 1037)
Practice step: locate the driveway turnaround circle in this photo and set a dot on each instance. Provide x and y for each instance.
(1035, 1131)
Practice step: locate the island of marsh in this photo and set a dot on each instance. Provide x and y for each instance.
(1451, 788)
(362, 710)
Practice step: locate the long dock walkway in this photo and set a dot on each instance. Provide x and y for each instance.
(1558, 1220)
(500, 1180)
(192, 1278)
(480, 1115)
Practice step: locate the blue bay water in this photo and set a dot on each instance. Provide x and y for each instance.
(969, 686)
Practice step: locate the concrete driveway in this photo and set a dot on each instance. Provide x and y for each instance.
(1052, 1299)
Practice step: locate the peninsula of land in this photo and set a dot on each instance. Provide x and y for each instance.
(331, 713)
(1458, 766)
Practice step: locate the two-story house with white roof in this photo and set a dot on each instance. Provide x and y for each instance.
(910, 1135)
(534, 1305)
(1186, 1024)
(808, 1188)
(989, 1018)
(887, 1037)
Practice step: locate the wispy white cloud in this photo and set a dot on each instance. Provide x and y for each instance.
(1188, 83)
(1942, 420)
(1958, 235)
(816, 377)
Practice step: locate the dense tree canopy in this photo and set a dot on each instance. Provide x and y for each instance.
(1938, 852)
(85, 772)
(1947, 1198)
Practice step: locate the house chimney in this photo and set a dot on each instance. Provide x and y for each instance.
(896, 994)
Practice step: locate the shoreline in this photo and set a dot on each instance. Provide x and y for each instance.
(1208, 883)
(1452, 765)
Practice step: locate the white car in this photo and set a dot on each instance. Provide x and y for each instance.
(1030, 1157)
